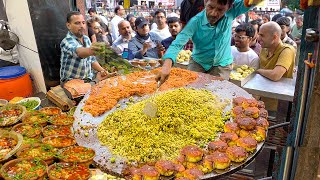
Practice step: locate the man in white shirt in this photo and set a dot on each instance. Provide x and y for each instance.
(93, 13)
(119, 12)
(122, 41)
(241, 52)
(162, 30)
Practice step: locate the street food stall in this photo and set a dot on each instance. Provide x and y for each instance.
(204, 127)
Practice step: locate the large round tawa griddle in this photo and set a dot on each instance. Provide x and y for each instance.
(86, 126)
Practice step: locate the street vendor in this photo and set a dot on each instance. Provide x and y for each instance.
(77, 53)
(210, 31)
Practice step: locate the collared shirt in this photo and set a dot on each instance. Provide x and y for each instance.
(136, 44)
(114, 26)
(249, 58)
(72, 66)
(289, 41)
(211, 44)
(283, 56)
(121, 43)
(163, 33)
(256, 47)
(296, 32)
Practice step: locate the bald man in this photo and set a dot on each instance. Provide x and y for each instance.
(276, 58)
(122, 41)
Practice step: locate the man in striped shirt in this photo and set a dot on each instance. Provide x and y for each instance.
(77, 53)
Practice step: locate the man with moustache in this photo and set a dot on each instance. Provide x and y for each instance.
(125, 32)
(77, 53)
(210, 31)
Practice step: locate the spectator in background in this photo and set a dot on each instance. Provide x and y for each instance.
(119, 12)
(265, 18)
(284, 23)
(241, 52)
(99, 33)
(254, 44)
(190, 8)
(131, 19)
(275, 17)
(145, 43)
(276, 58)
(171, 13)
(126, 35)
(297, 29)
(103, 21)
(162, 27)
(151, 20)
(174, 28)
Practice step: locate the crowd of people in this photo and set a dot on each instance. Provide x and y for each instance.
(214, 31)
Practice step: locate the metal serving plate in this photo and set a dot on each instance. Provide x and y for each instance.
(86, 126)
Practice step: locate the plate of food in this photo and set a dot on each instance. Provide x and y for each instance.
(30, 103)
(65, 171)
(10, 142)
(24, 168)
(43, 152)
(28, 130)
(54, 130)
(10, 114)
(76, 154)
(35, 117)
(59, 141)
(62, 119)
(50, 111)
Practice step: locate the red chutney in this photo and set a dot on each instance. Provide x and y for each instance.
(77, 154)
(67, 171)
(53, 130)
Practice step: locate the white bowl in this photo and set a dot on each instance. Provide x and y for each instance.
(32, 99)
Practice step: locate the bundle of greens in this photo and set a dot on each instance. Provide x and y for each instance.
(110, 60)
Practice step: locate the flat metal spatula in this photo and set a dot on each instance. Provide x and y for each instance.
(151, 108)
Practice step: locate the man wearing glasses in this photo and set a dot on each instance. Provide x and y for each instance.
(119, 12)
(210, 31)
(241, 51)
(162, 27)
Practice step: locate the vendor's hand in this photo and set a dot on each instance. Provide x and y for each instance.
(100, 77)
(113, 74)
(97, 46)
(164, 74)
(103, 73)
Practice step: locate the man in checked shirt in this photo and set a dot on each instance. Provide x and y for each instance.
(77, 53)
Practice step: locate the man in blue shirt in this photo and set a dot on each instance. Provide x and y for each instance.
(174, 28)
(77, 52)
(210, 31)
(145, 43)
